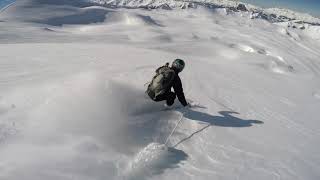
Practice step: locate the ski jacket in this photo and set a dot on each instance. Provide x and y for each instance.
(177, 87)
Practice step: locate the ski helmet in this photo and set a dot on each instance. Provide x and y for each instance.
(178, 64)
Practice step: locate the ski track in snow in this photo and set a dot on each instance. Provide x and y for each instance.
(72, 99)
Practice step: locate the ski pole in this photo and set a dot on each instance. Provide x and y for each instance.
(182, 115)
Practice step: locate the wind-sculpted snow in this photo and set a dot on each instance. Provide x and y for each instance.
(154, 159)
(73, 76)
(86, 17)
(76, 125)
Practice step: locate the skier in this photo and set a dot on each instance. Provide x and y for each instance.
(165, 79)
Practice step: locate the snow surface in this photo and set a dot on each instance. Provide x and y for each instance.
(72, 102)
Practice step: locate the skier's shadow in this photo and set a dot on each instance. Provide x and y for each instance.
(226, 120)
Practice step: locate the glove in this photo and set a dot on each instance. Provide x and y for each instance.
(188, 105)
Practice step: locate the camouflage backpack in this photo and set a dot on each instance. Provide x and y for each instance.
(161, 82)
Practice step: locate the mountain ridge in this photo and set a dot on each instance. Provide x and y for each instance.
(270, 14)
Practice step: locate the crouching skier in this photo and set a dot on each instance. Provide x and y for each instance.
(165, 79)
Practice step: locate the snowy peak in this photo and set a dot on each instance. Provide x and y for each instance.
(149, 4)
(271, 14)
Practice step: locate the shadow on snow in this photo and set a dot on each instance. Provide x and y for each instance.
(226, 120)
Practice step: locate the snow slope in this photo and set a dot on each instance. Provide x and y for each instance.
(72, 102)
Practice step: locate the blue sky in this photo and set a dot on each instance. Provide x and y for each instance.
(309, 6)
(3, 3)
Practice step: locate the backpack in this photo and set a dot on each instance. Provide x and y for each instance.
(161, 82)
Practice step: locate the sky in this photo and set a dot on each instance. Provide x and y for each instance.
(308, 6)
(3, 3)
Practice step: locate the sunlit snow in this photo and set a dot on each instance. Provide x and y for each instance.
(72, 101)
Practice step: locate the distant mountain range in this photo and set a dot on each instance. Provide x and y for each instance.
(269, 14)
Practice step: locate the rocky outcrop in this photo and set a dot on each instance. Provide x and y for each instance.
(242, 7)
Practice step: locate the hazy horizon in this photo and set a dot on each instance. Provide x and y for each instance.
(311, 7)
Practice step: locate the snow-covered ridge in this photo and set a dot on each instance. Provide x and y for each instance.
(271, 14)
